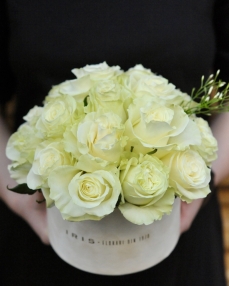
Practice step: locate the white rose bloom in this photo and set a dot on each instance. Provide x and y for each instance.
(48, 156)
(19, 171)
(57, 115)
(139, 69)
(20, 149)
(77, 88)
(131, 78)
(189, 175)
(208, 148)
(152, 124)
(81, 196)
(146, 190)
(22, 143)
(98, 72)
(107, 90)
(33, 115)
(97, 135)
(158, 86)
(109, 96)
(142, 81)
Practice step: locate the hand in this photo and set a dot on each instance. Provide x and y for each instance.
(23, 205)
(188, 213)
(32, 212)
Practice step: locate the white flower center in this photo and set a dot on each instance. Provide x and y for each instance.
(90, 189)
(48, 160)
(193, 167)
(105, 87)
(55, 111)
(108, 125)
(162, 114)
(149, 180)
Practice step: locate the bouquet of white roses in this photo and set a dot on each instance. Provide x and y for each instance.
(112, 139)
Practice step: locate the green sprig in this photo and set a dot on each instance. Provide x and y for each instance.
(217, 104)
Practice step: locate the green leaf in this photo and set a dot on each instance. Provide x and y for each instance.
(22, 189)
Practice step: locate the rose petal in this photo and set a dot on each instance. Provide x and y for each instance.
(58, 182)
(147, 215)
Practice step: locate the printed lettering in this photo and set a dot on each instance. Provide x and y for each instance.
(90, 240)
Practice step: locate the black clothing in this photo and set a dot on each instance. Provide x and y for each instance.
(42, 41)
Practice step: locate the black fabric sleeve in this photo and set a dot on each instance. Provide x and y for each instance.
(7, 81)
(221, 24)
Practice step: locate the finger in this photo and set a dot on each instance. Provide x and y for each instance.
(188, 213)
(38, 222)
(35, 215)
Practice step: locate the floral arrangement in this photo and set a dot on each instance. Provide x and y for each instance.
(113, 139)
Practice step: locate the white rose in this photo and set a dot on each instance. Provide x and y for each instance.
(22, 143)
(48, 156)
(98, 135)
(146, 190)
(142, 81)
(208, 148)
(131, 78)
(189, 175)
(152, 124)
(109, 96)
(77, 88)
(158, 86)
(19, 171)
(81, 196)
(57, 115)
(20, 149)
(139, 69)
(33, 115)
(98, 72)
